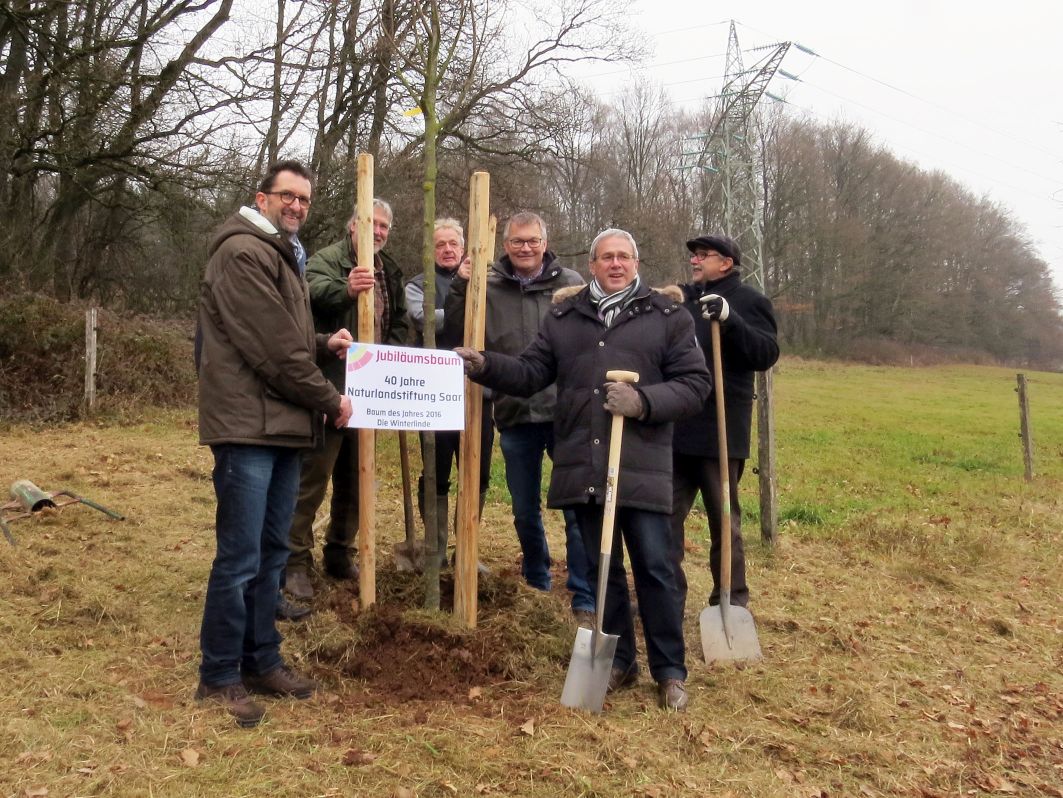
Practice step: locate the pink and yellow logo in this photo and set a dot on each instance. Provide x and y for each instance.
(358, 355)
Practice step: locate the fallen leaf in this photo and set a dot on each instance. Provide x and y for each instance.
(33, 757)
(529, 727)
(35, 792)
(124, 724)
(991, 783)
(475, 692)
(354, 756)
(190, 757)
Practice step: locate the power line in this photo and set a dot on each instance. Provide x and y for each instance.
(905, 122)
(913, 96)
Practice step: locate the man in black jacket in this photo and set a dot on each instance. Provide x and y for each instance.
(617, 323)
(747, 343)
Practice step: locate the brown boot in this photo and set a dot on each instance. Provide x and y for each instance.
(672, 694)
(235, 699)
(297, 584)
(281, 681)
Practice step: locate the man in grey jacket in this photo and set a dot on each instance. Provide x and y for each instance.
(520, 289)
(448, 239)
(261, 401)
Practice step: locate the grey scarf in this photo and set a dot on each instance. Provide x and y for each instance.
(609, 306)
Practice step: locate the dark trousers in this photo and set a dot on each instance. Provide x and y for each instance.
(448, 448)
(648, 540)
(523, 447)
(691, 474)
(335, 457)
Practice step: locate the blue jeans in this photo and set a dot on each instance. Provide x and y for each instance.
(256, 488)
(647, 536)
(523, 446)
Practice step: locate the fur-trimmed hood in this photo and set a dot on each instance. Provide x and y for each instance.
(673, 292)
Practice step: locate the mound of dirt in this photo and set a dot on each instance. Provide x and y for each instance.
(407, 655)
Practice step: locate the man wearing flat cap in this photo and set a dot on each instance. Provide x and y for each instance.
(747, 344)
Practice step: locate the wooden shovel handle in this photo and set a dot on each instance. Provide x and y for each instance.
(725, 477)
(612, 476)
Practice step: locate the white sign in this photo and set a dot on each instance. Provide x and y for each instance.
(398, 387)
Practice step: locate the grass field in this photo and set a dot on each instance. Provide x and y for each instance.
(909, 614)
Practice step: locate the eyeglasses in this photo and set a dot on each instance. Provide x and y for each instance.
(287, 197)
(700, 256)
(619, 257)
(520, 243)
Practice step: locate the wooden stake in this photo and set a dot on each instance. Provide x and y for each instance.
(1024, 427)
(366, 437)
(90, 359)
(769, 510)
(481, 247)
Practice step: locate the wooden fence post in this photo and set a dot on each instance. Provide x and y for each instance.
(1024, 427)
(467, 528)
(90, 359)
(769, 511)
(366, 437)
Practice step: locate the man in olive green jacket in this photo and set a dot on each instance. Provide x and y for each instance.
(335, 284)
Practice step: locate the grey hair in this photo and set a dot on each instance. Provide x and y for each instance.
(523, 218)
(378, 204)
(448, 223)
(613, 232)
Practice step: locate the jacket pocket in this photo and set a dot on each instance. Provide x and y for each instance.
(281, 418)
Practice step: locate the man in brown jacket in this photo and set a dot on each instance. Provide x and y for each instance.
(261, 401)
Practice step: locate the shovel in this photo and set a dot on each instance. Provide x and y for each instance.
(593, 650)
(408, 555)
(727, 633)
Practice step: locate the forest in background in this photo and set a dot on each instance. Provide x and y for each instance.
(130, 128)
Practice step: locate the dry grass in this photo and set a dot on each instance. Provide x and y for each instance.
(905, 656)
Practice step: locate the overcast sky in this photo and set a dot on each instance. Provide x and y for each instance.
(973, 88)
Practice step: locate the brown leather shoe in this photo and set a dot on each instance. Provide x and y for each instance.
(289, 611)
(620, 678)
(297, 584)
(235, 699)
(672, 694)
(281, 681)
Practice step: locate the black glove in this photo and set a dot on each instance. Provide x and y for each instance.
(622, 399)
(474, 361)
(714, 306)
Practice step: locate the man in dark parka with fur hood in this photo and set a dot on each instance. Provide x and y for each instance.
(617, 323)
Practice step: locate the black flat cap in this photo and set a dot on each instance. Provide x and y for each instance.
(726, 246)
